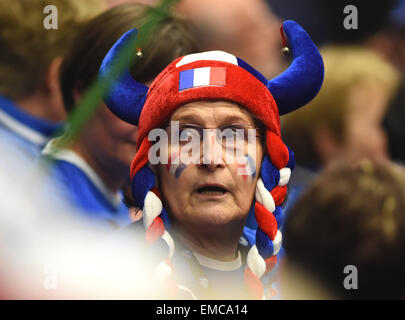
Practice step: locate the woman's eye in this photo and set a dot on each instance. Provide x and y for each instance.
(233, 133)
(188, 133)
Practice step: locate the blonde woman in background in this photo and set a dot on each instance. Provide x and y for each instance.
(344, 122)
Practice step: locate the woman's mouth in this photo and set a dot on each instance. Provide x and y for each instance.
(212, 191)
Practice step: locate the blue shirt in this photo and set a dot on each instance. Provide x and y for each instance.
(23, 132)
(80, 185)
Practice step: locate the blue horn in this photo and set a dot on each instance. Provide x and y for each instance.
(301, 82)
(125, 96)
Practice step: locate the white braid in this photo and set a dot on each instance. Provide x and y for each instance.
(285, 175)
(188, 291)
(264, 197)
(151, 209)
(256, 262)
(162, 272)
(169, 240)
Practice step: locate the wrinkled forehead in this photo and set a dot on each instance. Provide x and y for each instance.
(212, 113)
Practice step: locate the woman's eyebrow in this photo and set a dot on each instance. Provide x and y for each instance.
(232, 119)
(197, 119)
(189, 118)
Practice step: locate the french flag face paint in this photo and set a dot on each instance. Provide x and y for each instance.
(248, 168)
(202, 77)
(174, 167)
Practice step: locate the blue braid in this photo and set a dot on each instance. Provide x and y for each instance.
(269, 174)
(143, 181)
(264, 244)
(278, 213)
(291, 159)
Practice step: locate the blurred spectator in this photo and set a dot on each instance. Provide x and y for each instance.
(389, 42)
(247, 29)
(311, 14)
(344, 121)
(352, 215)
(31, 107)
(46, 254)
(394, 126)
(92, 169)
(324, 19)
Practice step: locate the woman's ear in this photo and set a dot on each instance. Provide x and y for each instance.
(52, 75)
(54, 91)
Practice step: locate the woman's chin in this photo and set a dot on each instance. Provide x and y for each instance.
(218, 214)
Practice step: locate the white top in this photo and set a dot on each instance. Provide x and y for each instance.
(72, 157)
(219, 265)
(21, 129)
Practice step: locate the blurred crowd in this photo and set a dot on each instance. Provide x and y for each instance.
(65, 201)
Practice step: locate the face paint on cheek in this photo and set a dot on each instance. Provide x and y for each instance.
(247, 168)
(251, 166)
(174, 167)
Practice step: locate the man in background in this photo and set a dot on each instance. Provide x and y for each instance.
(247, 29)
(31, 107)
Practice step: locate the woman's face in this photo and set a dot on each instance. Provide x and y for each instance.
(211, 193)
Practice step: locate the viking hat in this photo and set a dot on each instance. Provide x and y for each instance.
(213, 76)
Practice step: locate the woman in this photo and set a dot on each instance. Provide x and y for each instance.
(200, 199)
(93, 168)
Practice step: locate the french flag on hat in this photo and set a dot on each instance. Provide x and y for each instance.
(207, 76)
(201, 77)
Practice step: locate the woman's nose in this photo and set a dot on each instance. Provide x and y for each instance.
(212, 151)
